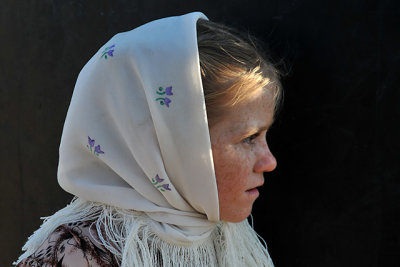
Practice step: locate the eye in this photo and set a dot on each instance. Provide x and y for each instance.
(251, 139)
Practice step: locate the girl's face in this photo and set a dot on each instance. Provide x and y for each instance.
(241, 155)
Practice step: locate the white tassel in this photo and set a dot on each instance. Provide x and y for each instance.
(129, 237)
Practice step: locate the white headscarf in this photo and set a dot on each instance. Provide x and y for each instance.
(136, 152)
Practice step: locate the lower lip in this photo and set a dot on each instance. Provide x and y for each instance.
(253, 192)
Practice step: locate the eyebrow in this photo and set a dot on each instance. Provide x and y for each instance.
(254, 130)
(266, 127)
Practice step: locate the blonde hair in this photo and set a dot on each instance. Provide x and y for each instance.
(232, 68)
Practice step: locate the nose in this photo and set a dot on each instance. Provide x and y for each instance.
(266, 162)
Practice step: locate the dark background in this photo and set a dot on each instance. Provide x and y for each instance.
(334, 199)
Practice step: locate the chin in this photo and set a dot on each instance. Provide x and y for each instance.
(236, 220)
(235, 217)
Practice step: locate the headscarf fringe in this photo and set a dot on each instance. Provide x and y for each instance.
(128, 235)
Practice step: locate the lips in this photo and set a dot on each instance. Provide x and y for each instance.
(255, 187)
(253, 192)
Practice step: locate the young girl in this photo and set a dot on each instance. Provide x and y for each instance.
(164, 147)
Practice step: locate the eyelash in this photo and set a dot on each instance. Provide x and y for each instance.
(250, 140)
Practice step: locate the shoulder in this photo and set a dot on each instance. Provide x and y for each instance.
(71, 244)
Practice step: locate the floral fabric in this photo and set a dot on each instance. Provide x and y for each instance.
(73, 244)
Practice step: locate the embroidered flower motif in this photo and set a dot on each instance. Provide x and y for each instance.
(167, 101)
(168, 90)
(97, 150)
(108, 51)
(158, 179)
(91, 142)
(161, 187)
(164, 100)
(165, 186)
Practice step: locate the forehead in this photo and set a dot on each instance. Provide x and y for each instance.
(257, 111)
(258, 108)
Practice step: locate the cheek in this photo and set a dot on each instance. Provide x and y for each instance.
(232, 169)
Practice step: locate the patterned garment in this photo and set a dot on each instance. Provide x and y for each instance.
(71, 244)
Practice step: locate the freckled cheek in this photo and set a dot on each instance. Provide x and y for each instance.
(232, 175)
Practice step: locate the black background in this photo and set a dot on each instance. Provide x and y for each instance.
(334, 199)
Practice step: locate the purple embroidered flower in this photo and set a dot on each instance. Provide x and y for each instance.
(158, 179)
(168, 90)
(167, 101)
(90, 141)
(161, 187)
(164, 100)
(98, 150)
(108, 51)
(165, 186)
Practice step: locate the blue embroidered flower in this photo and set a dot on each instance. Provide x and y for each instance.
(97, 150)
(161, 187)
(164, 100)
(158, 179)
(91, 142)
(108, 51)
(168, 90)
(167, 101)
(165, 186)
